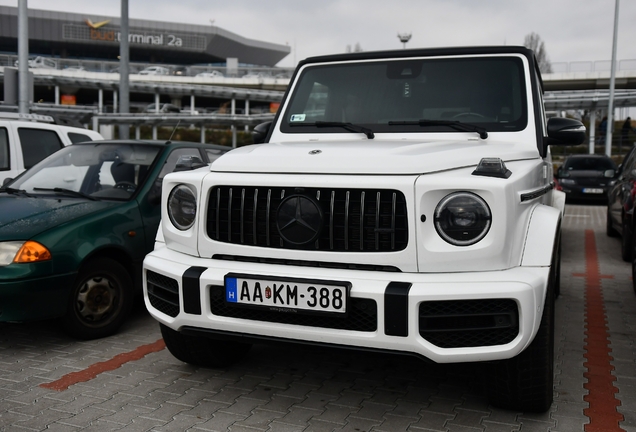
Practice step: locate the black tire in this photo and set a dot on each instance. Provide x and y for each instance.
(203, 351)
(100, 301)
(557, 272)
(609, 227)
(626, 243)
(525, 382)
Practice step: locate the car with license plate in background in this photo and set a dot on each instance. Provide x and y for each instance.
(75, 228)
(586, 177)
(400, 201)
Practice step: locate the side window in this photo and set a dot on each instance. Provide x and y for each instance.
(628, 163)
(78, 137)
(4, 150)
(38, 144)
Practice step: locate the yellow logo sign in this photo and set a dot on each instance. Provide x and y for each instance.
(96, 25)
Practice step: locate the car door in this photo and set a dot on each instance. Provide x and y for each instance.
(620, 198)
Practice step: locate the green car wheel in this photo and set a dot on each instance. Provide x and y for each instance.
(100, 301)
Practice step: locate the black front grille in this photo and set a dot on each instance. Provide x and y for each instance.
(353, 220)
(163, 293)
(469, 323)
(362, 314)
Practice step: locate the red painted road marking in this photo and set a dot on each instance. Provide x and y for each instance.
(600, 382)
(93, 370)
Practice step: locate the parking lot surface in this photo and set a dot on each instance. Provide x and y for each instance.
(131, 382)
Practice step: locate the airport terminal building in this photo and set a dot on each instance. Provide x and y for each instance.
(95, 37)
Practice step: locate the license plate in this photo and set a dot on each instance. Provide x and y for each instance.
(287, 294)
(592, 191)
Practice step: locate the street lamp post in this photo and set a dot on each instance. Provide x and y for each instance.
(610, 109)
(404, 38)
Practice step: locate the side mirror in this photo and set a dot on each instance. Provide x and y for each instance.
(187, 163)
(565, 131)
(610, 173)
(260, 132)
(7, 180)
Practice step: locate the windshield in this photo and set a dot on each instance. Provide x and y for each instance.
(97, 170)
(396, 95)
(589, 164)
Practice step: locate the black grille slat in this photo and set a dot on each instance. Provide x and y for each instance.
(469, 323)
(354, 220)
(362, 314)
(163, 293)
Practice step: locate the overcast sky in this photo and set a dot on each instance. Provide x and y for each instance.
(572, 30)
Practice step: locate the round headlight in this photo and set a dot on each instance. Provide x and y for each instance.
(182, 207)
(462, 218)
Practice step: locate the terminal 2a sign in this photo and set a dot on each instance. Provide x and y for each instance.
(103, 32)
(98, 33)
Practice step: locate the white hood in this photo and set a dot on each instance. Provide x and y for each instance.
(367, 157)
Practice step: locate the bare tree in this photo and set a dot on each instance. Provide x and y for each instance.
(533, 41)
(356, 48)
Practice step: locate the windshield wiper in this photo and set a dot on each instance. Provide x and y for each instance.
(67, 192)
(345, 125)
(457, 125)
(14, 191)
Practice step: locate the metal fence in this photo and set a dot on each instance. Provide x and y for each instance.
(113, 67)
(592, 66)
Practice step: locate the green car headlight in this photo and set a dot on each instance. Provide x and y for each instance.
(182, 207)
(8, 251)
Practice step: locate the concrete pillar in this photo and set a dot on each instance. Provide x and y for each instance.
(57, 95)
(247, 111)
(202, 133)
(191, 104)
(154, 132)
(115, 107)
(157, 103)
(100, 101)
(137, 132)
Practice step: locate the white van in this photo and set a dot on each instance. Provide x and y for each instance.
(26, 139)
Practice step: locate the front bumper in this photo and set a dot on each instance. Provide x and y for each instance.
(401, 302)
(35, 298)
(586, 193)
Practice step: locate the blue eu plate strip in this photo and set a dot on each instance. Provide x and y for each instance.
(231, 291)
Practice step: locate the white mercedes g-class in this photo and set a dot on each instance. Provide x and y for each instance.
(399, 201)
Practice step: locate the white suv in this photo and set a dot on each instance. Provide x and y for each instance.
(26, 139)
(401, 201)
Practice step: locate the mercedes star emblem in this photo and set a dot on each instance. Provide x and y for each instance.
(299, 220)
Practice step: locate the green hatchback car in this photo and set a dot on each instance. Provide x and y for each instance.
(74, 230)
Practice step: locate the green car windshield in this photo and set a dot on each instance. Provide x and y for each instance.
(409, 95)
(96, 171)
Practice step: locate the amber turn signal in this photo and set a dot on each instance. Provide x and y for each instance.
(32, 252)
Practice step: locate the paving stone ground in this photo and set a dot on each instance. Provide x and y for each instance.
(287, 389)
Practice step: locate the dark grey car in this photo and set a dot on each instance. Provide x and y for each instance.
(586, 177)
